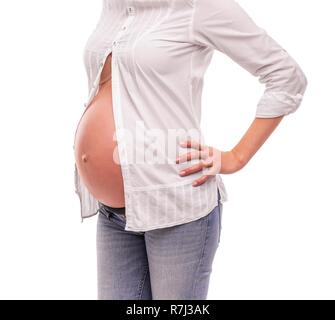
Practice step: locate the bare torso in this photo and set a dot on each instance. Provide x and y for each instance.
(96, 153)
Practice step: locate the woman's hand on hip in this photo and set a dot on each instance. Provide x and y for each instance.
(211, 160)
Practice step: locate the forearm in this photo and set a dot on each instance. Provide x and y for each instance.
(253, 139)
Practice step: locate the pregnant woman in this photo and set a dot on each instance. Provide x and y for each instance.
(141, 162)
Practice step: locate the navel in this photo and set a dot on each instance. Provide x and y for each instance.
(84, 157)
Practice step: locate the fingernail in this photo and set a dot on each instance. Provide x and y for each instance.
(182, 172)
(194, 184)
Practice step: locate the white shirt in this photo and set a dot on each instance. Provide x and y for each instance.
(161, 50)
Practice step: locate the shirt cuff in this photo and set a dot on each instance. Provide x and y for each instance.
(275, 104)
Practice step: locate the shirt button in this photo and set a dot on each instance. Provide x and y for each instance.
(130, 10)
(124, 28)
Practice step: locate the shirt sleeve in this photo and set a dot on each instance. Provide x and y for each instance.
(225, 26)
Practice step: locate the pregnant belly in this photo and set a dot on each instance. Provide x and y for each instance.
(96, 152)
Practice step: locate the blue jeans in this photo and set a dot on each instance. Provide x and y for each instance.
(166, 263)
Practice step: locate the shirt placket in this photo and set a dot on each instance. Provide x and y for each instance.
(123, 28)
(130, 12)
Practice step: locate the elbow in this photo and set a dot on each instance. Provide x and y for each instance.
(302, 81)
(283, 98)
(299, 89)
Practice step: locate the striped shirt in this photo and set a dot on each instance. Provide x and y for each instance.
(161, 50)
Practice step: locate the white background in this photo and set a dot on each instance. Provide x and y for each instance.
(278, 236)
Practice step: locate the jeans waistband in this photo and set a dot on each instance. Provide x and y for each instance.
(111, 210)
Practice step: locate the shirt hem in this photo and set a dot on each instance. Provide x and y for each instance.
(174, 223)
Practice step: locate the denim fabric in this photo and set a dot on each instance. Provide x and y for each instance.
(166, 263)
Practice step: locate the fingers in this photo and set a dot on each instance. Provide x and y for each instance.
(204, 177)
(192, 155)
(200, 181)
(192, 144)
(196, 167)
(202, 152)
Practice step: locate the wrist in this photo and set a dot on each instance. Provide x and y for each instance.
(230, 162)
(240, 159)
